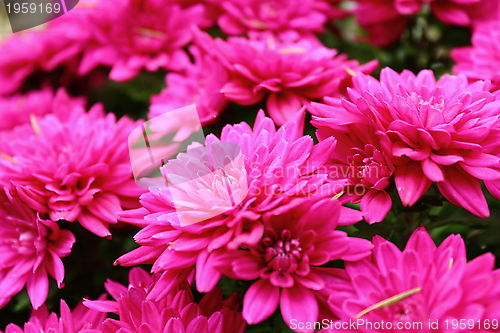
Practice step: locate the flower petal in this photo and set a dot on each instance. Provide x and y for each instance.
(260, 301)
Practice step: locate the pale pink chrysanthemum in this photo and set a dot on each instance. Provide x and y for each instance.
(131, 35)
(276, 167)
(31, 248)
(76, 168)
(358, 157)
(200, 85)
(420, 286)
(176, 312)
(480, 61)
(81, 319)
(289, 71)
(277, 16)
(287, 260)
(385, 20)
(18, 109)
(443, 131)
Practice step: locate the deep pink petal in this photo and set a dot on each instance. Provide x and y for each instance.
(260, 301)
(411, 183)
(298, 304)
(464, 191)
(38, 287)
(376, 204)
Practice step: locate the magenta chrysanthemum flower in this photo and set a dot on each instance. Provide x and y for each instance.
(443, 131)
(277, 16)
(78, 320)
(385, 20)
(380, 20)
(200, 85)
(288, 70)
(420, 286)
(19, 109)
(287, 260)
(72, 169)
(31, 248)
(359, 158)
(176, 312)
(276, 167)
(134, 34)
(60, 43)
(479, 61)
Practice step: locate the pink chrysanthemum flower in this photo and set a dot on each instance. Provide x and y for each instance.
(480, 61)
(380, 20)
(72, 169)
(359, 158)
(81, 319)
(31, 248)
(60, 43)
(443, 131)
(385, 20)
(276, 167)
(288, 70)
(176, 312)
(287, 260)
(277, 16)
(18, 109)
(200, 85)
(134, 34)
(422, 285)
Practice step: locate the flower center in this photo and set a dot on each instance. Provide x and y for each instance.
(283, 254)
(367, 167)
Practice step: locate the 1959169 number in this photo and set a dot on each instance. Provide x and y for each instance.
(463, 324)
(27, 7)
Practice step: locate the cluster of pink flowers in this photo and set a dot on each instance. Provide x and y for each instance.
(32, 247)
(265, 206)
(443, 131)
(274, 181)
(297, 240)
(126, 35)
(423, 288)
(288, 70)
(78, 320)
(480, 61)
(132, 34)
(57, 162)
(276, 16)
(174, 312)
(72, 169)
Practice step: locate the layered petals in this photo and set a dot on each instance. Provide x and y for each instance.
(204, 212)
(31, 249)
(419, 289)
(428, 130)
(72, 165)
(286, 262)
(174, 312)
(289, 69)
